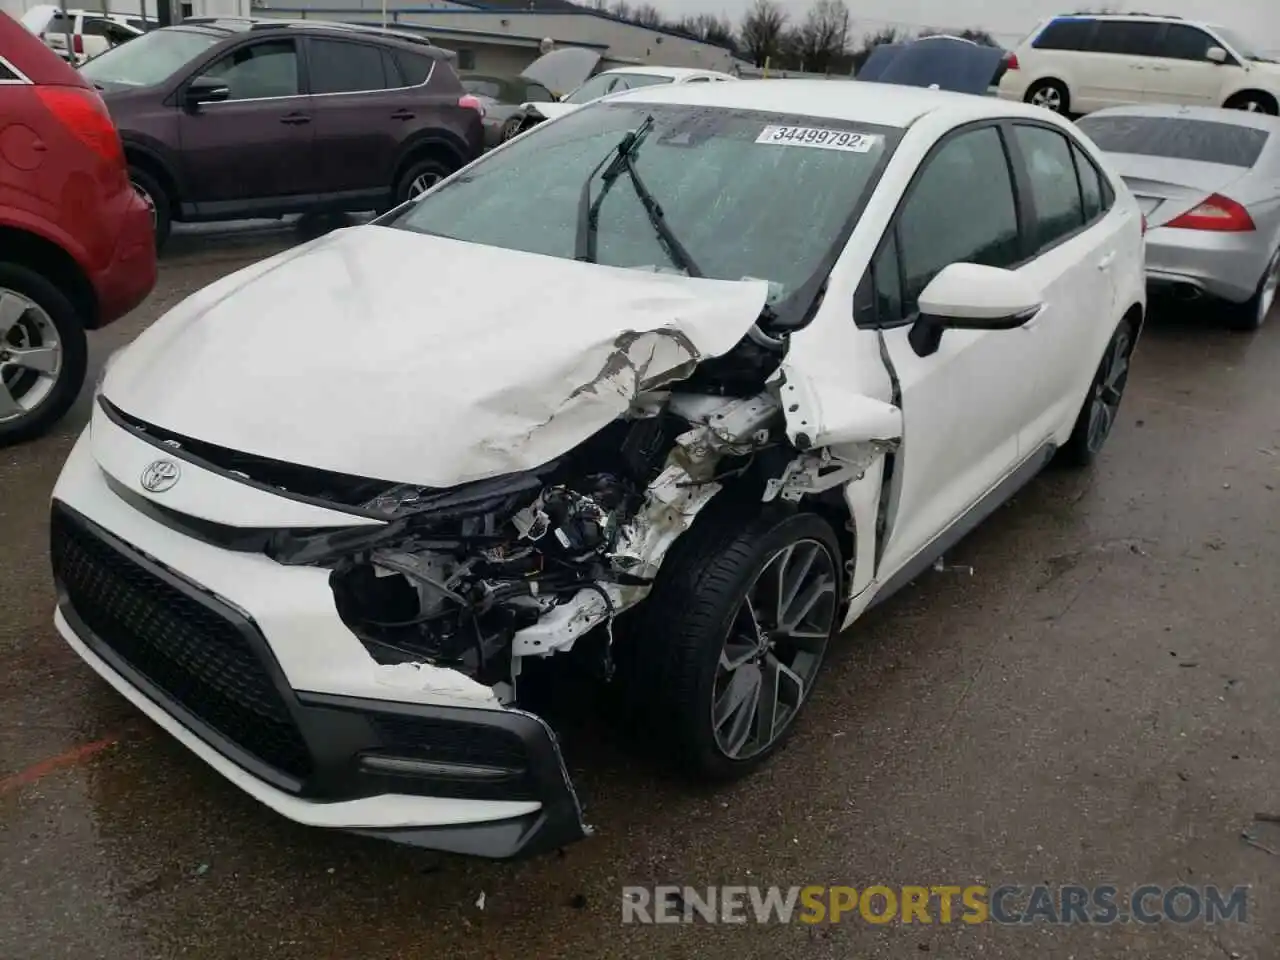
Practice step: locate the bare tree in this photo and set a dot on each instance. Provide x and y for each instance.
(708, 28)
(983, 37)
(620, 9)
(887, 35)
(760, 37)
(647, 15)
(823, 36)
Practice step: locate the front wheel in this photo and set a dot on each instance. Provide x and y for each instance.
(1253, 102)
(43, 354)
(157, 201)
(1102, 405)
(736, 631)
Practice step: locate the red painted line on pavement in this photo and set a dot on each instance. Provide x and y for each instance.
(71, 758)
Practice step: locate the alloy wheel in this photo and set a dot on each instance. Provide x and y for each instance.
(1270, 288)
(775, 647)
(1108, 389)
(422, 183)
(141, 191)
(30, 355)
(1048, 97)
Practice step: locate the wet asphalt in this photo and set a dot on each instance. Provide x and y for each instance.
(1097, 701)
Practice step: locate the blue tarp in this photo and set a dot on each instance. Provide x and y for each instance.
(948, 62)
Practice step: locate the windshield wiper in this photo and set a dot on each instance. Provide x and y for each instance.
(622, 158)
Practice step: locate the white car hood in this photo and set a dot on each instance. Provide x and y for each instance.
(410, 358)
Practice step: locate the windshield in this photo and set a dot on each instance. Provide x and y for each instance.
(1202, 141)
(605, 83)
(149, 59)
(1241, 46)
(748, 195)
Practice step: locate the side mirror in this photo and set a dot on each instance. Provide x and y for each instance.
(969, 296)
(206, 90)
(1216, 55)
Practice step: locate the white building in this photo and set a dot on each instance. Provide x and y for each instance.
(503, 36)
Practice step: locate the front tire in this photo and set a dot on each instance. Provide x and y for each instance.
(1102, 405)
(734, 635)
(1252, 101)
(43, 354)
(1050, 94)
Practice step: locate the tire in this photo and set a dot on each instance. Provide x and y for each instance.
(1254, 102)
(1050, 94)
(417, 172)
(512, 128)
(1250, 315)
(1106, 390)
(676, 669)
(49, 318)
(157, 198)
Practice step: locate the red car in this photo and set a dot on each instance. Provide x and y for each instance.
(77, 249)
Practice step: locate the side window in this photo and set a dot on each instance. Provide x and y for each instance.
(1182, 42)
(414, 68)
(338, 67)
(1090, 185)
(699, 80)
(7, 75)
(1133, 38)
(536, 93)
(1054, 187)
(267, 69)
(1065, 34)
(960, 209)
(96, 28)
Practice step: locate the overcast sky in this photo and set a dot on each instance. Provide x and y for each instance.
(1008, 20)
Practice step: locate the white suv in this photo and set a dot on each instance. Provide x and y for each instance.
(1081, 63)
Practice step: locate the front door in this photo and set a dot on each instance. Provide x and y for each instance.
(247, 153)
(1124, 51)
(1183, 72)
(963, 406)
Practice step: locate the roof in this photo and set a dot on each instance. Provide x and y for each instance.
(525, 6)
(856, 101)
(1239, 118)
(371, 30)
(675, 73)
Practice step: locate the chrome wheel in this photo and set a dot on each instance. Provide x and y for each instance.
(142, 192)
(1048, 97)
(510, 128)
(775, 647)
(422, 183)
(30, 355)
(1108, 389)
(1270, 287)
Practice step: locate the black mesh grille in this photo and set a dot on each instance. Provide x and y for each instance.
(196, 656)
(447, 742)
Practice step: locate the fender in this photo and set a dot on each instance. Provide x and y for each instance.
(433, 137)
(49, 232)
(158, 154)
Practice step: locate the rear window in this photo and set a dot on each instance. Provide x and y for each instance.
(1204, 141)
(6, 73)
(483, 87)
(414, 68)
(1067, 34)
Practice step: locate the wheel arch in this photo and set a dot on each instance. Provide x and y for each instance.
(437, 143)
(48, 259)
(1264, 95)
(141, 155)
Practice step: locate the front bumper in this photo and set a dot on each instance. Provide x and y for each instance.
(1224, 265)
(411, 767)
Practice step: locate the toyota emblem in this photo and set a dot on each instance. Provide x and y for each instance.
(160, 476)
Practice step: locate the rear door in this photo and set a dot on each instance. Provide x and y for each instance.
(1182, 71)
(1074, 250)
(254, 149)
(360, 114)
(964, 405)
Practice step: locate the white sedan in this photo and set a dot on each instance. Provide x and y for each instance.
(674, 388)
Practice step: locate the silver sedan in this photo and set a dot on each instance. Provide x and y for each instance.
(1208, 182)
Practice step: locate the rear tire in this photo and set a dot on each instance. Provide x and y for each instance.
(678, 658)
(32, 400)
(1050, 94)
(1102, 404)
(1254, 101)
(157, 199)
(1249, 316)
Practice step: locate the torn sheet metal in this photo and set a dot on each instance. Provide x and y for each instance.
(438, 681)
(828, 412)
(348, 360)
(825, 469)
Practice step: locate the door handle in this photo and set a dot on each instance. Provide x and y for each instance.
(1106, 262)
(403, 115)
(295, 119)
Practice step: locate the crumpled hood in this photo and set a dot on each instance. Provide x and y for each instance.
(405, 357)
(549, 111)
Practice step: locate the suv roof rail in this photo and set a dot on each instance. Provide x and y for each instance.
(1116, 13)
(282, 23)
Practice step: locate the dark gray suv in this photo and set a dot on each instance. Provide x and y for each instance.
(228, 119)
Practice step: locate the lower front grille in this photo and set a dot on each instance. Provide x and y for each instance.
(176, 637)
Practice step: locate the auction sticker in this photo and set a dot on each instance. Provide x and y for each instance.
(819, 137)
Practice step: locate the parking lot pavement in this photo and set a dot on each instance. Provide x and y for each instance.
(1096, 702)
